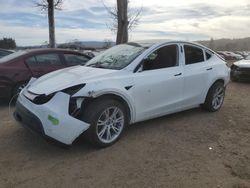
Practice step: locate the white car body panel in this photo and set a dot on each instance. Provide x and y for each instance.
(243, 63)
(68, 128)
(64, 78)
(150, 94)
(153, 103)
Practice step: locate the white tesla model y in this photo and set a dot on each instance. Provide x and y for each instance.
(126, 84)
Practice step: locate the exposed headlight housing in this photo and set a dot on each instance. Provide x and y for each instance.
(42, 99)
(75, 102)
(38, 99)
(74, 89)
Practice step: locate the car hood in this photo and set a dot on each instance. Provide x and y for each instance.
(62, 79)
(243, 63)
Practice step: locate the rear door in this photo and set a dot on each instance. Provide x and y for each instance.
(196, 75)
(44, 63)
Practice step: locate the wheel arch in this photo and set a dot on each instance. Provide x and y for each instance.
(221, 80)
(120, 98)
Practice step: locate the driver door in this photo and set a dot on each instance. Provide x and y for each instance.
(158, 87)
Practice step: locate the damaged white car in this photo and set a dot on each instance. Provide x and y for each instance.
(126, 84)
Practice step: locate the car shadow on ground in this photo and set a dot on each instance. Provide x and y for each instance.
(33, 143)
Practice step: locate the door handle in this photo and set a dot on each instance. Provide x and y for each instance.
(209, 69)
(178, 74)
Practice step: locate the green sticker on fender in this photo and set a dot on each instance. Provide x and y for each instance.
(53, 120)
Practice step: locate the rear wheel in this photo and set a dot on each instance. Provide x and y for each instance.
(107, 118)
(215, 97)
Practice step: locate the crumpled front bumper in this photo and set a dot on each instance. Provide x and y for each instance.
(50, 119)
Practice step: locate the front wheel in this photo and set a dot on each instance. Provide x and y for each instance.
(107, 118)
(215, 97)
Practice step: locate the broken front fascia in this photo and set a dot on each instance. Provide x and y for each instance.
(55, 119)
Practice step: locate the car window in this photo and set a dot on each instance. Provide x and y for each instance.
(4, 53)
(208, 56)
(48, 59)
(74, 59)
(31, 61)
(164, 57)
(193, 55)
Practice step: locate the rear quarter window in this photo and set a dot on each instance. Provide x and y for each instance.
(193, 55)
(208, 56)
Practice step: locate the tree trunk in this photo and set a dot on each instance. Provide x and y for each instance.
(122, 17)
(52, 43)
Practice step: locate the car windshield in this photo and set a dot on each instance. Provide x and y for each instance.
(12, 56)
(117, 57)
(248, 57)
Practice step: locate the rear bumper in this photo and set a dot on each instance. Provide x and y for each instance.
(51, 119)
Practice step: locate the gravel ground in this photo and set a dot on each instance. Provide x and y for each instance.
(188, 149)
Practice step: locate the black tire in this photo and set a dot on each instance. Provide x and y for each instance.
(93, 112)
(208, 105)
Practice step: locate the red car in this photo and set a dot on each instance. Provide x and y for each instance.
(16, 69)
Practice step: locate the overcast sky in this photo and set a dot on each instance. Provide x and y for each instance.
(161, 19)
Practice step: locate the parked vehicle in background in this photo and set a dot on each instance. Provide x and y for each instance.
(17, 68)
(222, 55)
(240, 70)
(235, 56)
(247, 57)
(4, 52)
(125, 84)
(92, 53)
(89, 53)
(244, 54)
(230, 55)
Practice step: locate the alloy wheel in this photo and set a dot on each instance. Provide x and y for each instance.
(110, 124)
(218, 97)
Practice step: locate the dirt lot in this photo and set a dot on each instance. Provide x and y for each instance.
(188, 149)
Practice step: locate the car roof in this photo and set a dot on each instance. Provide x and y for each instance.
(151, 42)
(38, 50)
(30, 52)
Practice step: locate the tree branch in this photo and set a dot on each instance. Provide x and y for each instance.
(43, 4)
(133, 20)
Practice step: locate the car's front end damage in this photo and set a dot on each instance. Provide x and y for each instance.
(53, 105)
(240, 71)
(55, 115)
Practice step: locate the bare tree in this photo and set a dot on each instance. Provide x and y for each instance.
(124, 19)
(50, 6)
